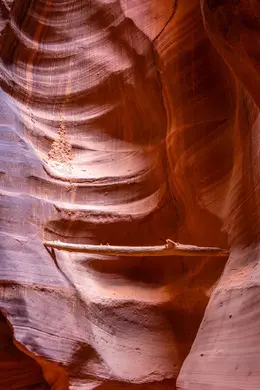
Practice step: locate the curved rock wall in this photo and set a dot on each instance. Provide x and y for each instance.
(128, 122)
(225, 352)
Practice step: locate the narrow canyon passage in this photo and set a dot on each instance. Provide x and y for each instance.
(123, 124)
(16, 366)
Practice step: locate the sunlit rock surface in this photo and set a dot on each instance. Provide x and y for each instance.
(129, 122)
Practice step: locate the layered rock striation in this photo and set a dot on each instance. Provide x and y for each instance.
(127, 123)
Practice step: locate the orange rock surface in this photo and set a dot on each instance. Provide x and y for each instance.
(129, 122)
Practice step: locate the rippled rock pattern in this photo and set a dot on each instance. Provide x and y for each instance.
(129, 122)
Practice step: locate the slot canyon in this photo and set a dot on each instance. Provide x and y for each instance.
(129, 123)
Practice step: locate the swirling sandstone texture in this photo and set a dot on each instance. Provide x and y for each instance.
(129, 122)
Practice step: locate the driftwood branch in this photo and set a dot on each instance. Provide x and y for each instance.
(170, 248)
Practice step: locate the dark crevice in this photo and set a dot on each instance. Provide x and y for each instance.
(26, 371)
(158, 70)
(168, 21)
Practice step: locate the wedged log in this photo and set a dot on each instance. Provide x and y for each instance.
(171, 248)
(127, 122)
(83, 130)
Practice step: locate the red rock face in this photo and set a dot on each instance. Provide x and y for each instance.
(128, 122)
